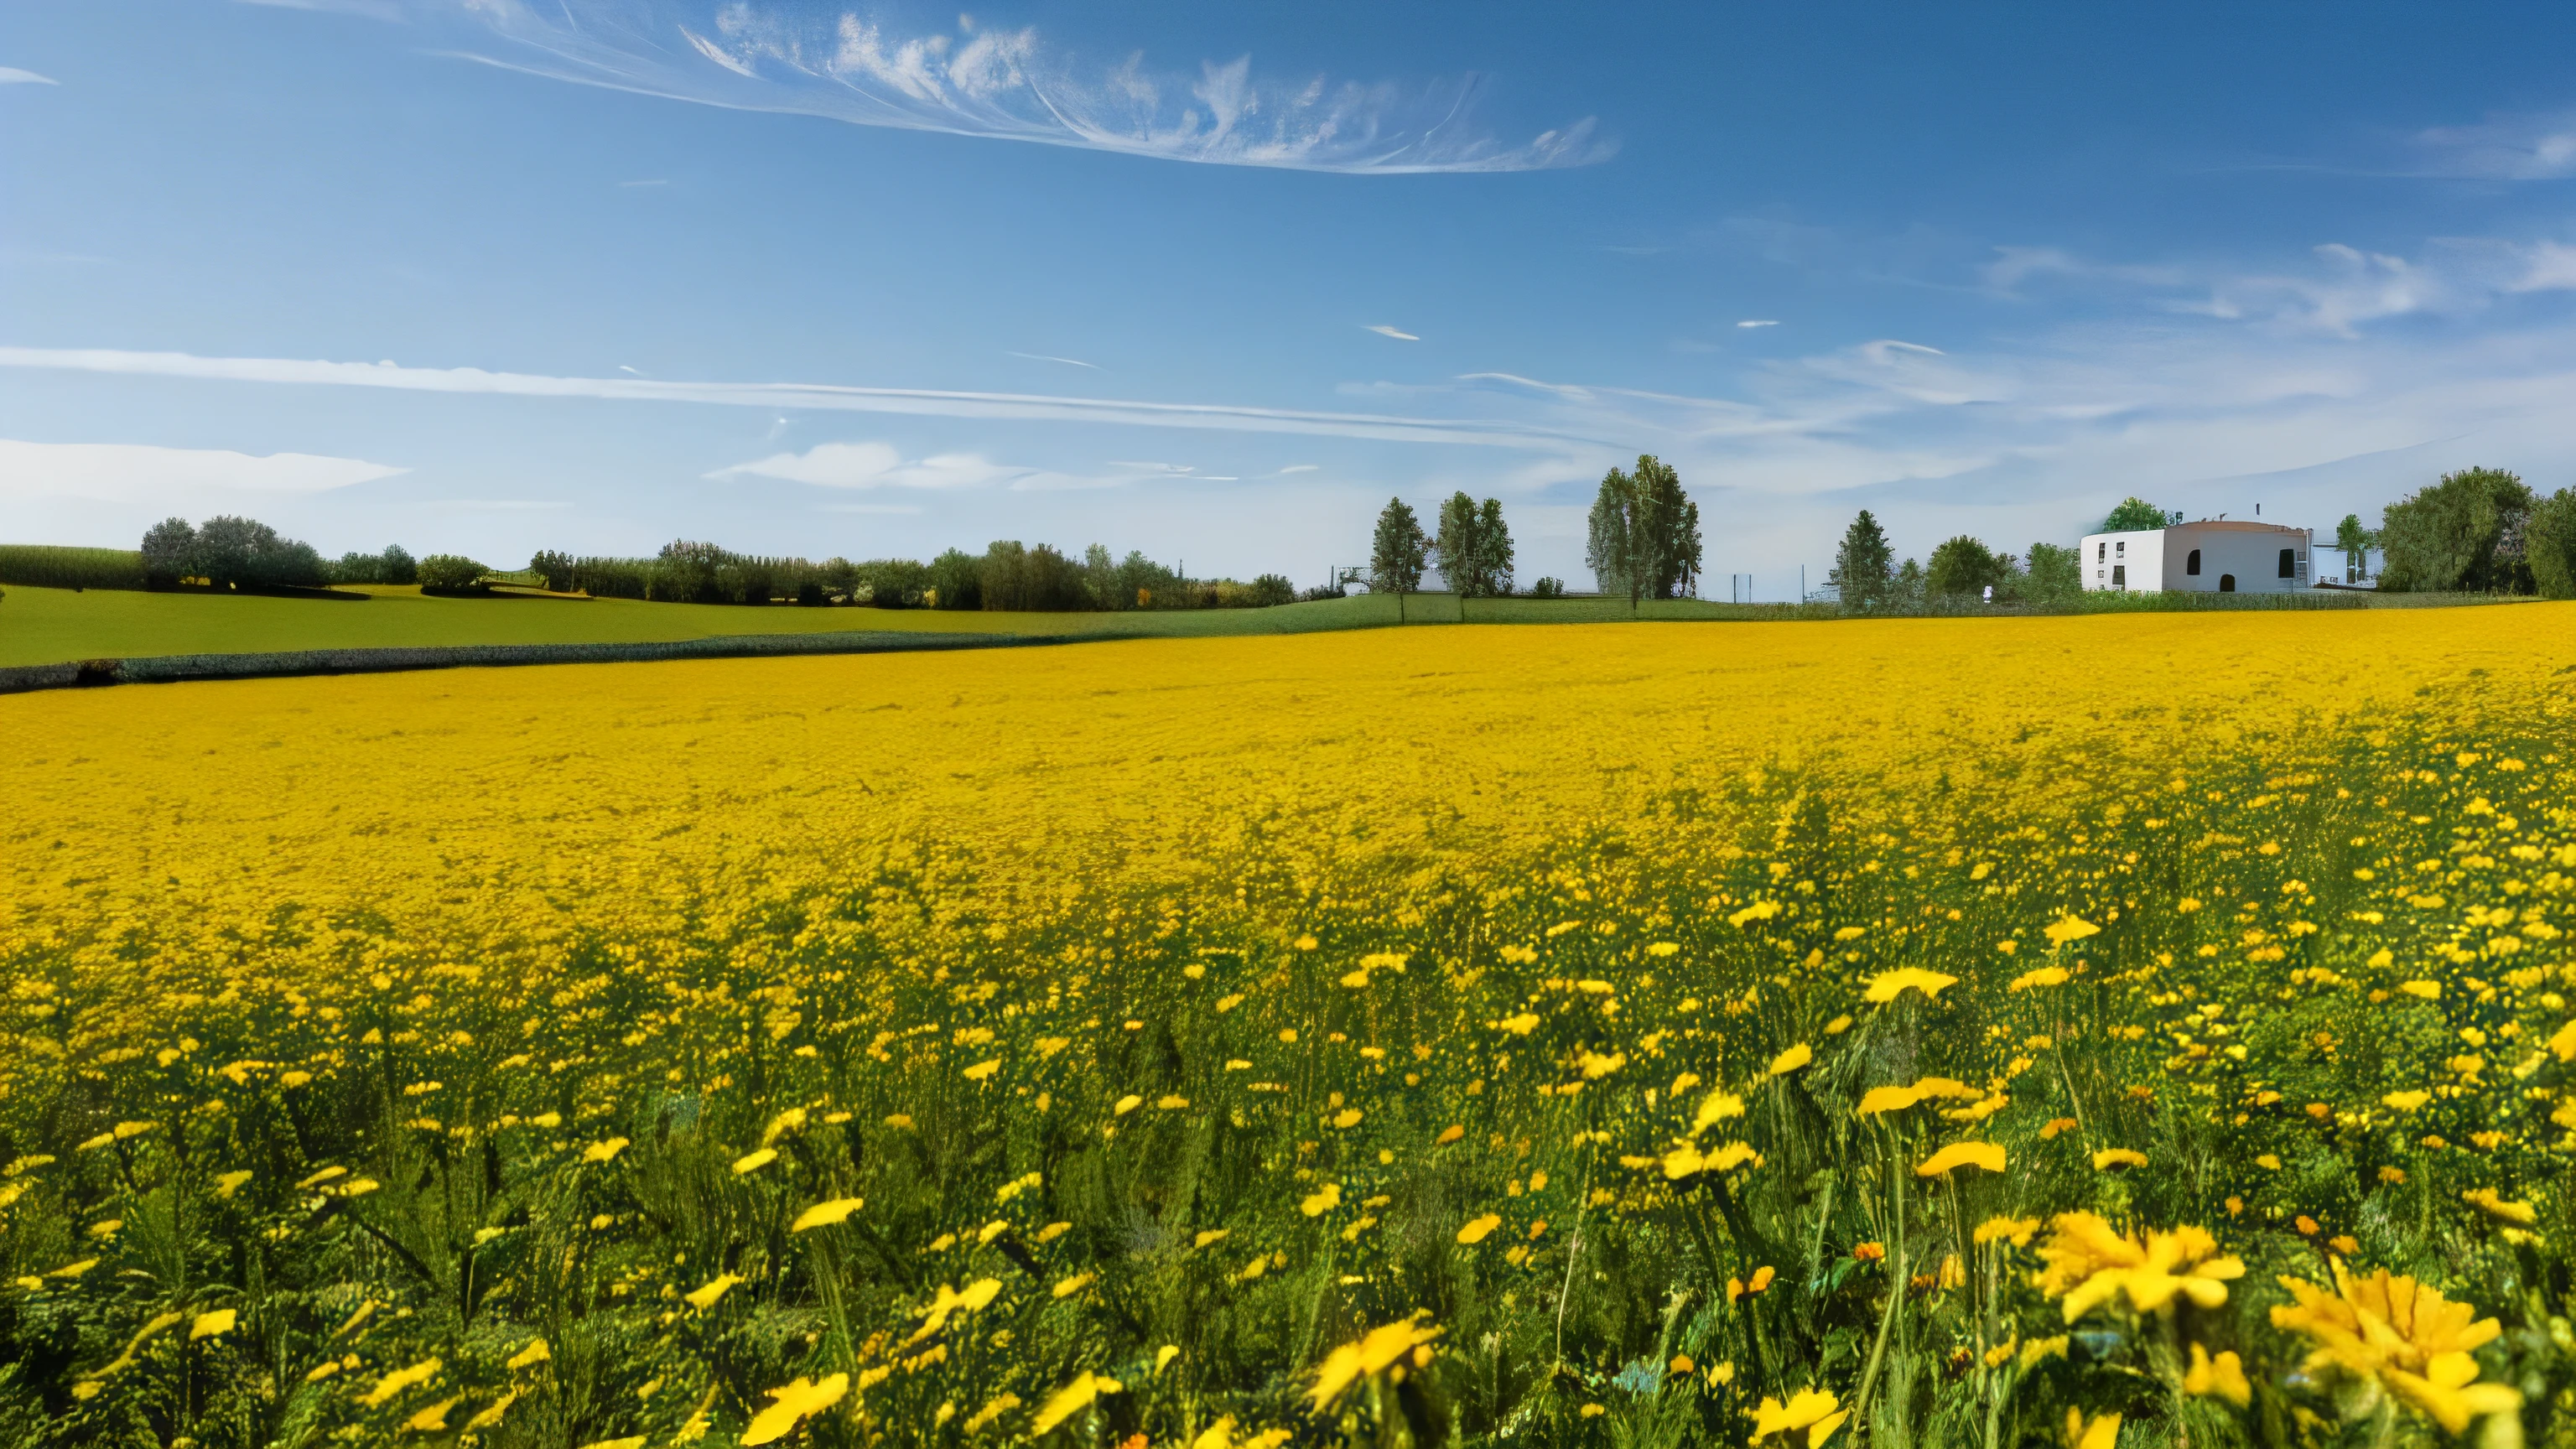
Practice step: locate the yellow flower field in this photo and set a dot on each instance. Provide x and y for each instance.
(1951, 1031)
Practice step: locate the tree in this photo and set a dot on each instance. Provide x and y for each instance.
(1644, 537)
(1907, 591)
(2056, 575)
(1611, 545)
(1474, 547)
(2356, 543)
(2463, 533)
(1864, 567)
(1962, 565)
(1494, 542)
(2136, 515)
(553, 567)
(2549, 541)
(169, 552)
(1397, 553)
(956, 581)
(1271, 590)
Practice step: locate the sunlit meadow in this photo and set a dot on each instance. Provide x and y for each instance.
(2067, 1031)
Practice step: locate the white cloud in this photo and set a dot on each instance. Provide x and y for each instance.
(140, 473)
(1010, 84)
(880, 465)
(1383, 330)
(1067, 361)
(2503, 148)
(1298, 468)
(872, 465)
(830, 397)
(1759, 322)
(10, 75)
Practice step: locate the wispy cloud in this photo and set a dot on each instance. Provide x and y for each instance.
(869, 465)
(1759, 322)
(1067, 361)
(10, 75)
(924, 402)
(373, 9)
(781, 55)
(140, 472)
(1383, 330)
(2538, 147)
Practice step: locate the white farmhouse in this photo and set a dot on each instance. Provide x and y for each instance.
(2212, 556)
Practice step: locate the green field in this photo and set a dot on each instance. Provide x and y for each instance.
(47, 626)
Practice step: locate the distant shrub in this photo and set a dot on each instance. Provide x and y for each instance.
(1271, 590)
(44, 566)
(394, 566)
(447, 573)
(1549, 587)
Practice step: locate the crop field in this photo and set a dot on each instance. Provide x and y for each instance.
(2146, 1029)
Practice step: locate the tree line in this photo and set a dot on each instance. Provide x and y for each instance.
(1007, 575)
(2478, 530)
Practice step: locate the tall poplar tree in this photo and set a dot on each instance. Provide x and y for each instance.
(1397, 553)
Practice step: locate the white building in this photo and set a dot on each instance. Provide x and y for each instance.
(2212, 556)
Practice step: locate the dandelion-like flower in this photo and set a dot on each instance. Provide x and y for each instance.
(2404, 1336)
(2090, 1264)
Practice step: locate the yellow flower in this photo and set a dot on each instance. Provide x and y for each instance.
(827, 1214)
(2407, 1101)
(211, 1325)
(793, 1403)
(2016, 1230)
(2487, 1200)
(1888, 985)
(2416, 1343)
(1810, 1409)
(2111, 1157)
(2223, 1376)
(1372, 1353)
(1475, 1232)
(756, 1160)
(2071, 928)
(1988, 1155)
(950, 1300)
(2044, 976)
(1897, 1099)
(598, 1151)
(1792, 1059)
(2090, 1264)
(707, 1294)
(2099, 1433)
(1322, 1200)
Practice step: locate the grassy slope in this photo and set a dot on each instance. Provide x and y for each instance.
(43, 626)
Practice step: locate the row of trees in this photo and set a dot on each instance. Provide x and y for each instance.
(1866, 571)
(234, 553)
(1007, 575)
(1643, 542)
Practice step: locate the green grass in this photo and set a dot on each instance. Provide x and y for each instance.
(46, 626)
(49, 626)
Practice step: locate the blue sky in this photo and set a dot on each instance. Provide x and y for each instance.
(1215, 281)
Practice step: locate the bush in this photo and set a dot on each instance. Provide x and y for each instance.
(447, 573)
(1272, 590)
(43, 566)
(956, 581)
(229, 552)
(1548, 587)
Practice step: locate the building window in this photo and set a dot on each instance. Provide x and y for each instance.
(2227, 583)
(2119, 576)
(2191, 565)
(2289, 563)
(2121, 548)
(2101, 551)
